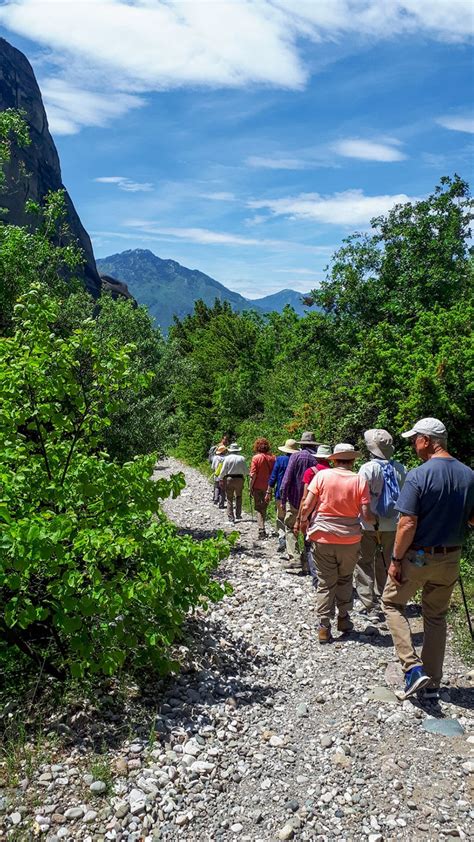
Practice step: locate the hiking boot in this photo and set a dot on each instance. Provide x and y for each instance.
(324, 634)
(281, 545)
(291, 566)
(415, 679)
(345, 624)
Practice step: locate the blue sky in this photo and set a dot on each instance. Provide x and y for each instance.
(247, 139)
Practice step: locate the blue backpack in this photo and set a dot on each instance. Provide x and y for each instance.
(390, 491)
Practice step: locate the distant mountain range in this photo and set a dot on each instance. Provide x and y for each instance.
(168, 289)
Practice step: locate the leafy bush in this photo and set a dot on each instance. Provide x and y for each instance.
(91, 572)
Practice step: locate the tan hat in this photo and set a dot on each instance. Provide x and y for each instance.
(379, 443)
(220, 449)
(344, 451)
(290, 446)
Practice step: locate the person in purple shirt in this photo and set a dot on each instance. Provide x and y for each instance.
(291, 492)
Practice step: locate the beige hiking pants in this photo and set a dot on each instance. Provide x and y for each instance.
(335, 565)
(436, 580)
(291, 540)
(233, 488)
(280, 518)
(370, 574)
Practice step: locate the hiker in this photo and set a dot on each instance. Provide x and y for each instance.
(291, 492)
(385, 477)
(323, 453)
(212, 450)
(274, 482)
(435, 505)
(338, 498)
(217, 462)
(261, 468)
(234, 470)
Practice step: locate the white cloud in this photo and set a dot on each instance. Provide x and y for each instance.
(205, 236)
(128, 47)
(69, 108)
(368, 150)
(351, 207)
(126, 183)
(222, 196)
(275, 163)
(457, 124)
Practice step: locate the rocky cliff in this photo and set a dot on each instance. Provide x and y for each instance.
(19, 89)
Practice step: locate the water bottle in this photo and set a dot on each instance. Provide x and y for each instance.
(419, 560)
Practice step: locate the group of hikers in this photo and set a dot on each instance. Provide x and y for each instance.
(384, 531)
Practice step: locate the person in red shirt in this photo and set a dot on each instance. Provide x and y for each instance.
(260, 471)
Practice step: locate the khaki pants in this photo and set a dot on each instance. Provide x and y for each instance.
(370, 574)
(233, 488)
(436, 580)
(280, 518)
(291, 541)
(335, 565)
(261, 508)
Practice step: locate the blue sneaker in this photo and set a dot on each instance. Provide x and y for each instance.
(415, 679)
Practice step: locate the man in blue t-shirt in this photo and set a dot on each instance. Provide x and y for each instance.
(436, 503)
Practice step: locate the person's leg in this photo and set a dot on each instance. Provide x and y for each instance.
(309, 548)
(394, 600)
(239, 487)
(291, 541)
(260, 508)
(388, 540)
(215, 495)
(221, 497)
(326, 567)
(346, 555)
(443, 573)
(230, 491)
(364, 570)
(280, 523)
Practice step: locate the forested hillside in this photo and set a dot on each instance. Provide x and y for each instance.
(393, 341)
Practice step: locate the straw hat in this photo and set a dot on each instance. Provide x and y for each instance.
(220, 449)
(344, 451)
(290, 446)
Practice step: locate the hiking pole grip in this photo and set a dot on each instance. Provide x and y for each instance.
(466, 607)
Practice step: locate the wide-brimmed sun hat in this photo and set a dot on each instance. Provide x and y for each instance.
(222, 448)
(234, 448)
(308, 438)
(380, 443)
(323, 451)
(290, 446)
(344, 451)
(427, 427)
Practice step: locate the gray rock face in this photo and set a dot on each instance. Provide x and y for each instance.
(19, 89)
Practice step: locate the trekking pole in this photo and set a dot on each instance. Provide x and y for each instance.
(380, 549)
(466, 607)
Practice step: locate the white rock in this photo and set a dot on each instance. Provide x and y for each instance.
(202, 767)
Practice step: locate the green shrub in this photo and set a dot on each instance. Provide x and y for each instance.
(91, 571)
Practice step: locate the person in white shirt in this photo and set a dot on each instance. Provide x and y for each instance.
(377, 539)
(233, 472)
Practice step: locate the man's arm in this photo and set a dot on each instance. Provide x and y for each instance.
(367, 513)
(403, 540)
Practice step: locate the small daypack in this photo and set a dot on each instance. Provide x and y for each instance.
(390, 491)
(212, 453)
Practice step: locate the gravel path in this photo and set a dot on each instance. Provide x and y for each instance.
(266, 735)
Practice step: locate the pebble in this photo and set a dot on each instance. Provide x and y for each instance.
(263, 735)
(97, 787)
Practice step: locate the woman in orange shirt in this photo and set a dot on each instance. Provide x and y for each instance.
(260, 470)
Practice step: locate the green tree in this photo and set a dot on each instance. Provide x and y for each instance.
(91, 572)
